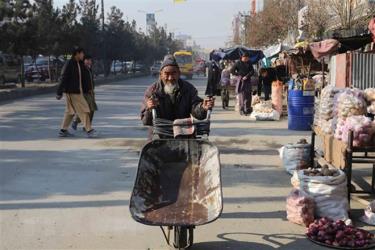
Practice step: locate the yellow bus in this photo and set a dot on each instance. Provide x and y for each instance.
(185, 62)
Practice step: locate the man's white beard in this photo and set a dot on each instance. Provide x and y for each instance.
(169, 88)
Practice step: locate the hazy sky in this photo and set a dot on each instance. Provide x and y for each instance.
(209, 22)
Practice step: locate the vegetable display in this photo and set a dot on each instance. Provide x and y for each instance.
(362, 127)
(370, 98)
(337, 234)
(350, 102)
(325, 171)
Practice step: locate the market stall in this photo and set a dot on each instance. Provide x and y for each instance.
(346, 129)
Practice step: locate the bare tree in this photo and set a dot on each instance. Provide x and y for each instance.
(351, 13)
(317, 18)
(278, 18)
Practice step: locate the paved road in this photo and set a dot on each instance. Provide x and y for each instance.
(74, 193)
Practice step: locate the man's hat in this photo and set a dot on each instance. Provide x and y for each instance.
(169, 60)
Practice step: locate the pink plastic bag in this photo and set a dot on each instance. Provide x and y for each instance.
(277, 96)
(300, 208)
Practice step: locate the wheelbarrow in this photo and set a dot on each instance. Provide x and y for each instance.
(178, 185)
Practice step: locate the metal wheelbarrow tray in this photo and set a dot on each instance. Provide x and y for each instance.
(178, 184)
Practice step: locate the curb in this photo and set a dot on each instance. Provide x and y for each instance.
(19, 93)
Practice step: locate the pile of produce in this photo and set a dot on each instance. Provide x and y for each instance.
(328, 127)
(370, 97)
(263, 111)
(327, 100)
(325, 111)
(263, 107)
(296, 156)
(337, 234)
(328, 188)
(324, 171)
(350, 102)
(317, 113)
(362, 127)
(255, 100)
(300, 208)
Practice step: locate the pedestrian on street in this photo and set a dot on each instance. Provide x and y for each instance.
(225, 83)
(73, 85)
(244, 70)
(213, 79)
(265, 83)
(172, 97)
(88, 78)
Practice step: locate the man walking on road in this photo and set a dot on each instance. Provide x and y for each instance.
(244, 70)
(90, 96)
(74, 87)
(172, 97)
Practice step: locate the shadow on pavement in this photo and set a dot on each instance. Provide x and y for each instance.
(236, 150)
(69, 204)
(272, 241)
(35, 174)
(248, 215)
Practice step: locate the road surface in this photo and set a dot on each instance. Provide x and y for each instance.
(74, 193)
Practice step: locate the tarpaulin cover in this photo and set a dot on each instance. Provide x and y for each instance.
(354, 43)
(235, 53)
(274, 50)
(324, 48)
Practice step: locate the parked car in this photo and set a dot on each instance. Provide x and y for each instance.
(155, 68)
(118, 67)
(138, 67)
(129, 66)
(39, 69)
(10, 68)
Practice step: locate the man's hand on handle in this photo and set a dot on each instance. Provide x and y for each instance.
(208, 103)
(151, 103)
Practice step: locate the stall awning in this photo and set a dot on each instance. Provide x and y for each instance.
(275, 50)
(324, 48)
(354, 43)
(235, 53)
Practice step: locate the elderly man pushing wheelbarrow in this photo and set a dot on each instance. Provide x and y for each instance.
(178, 184)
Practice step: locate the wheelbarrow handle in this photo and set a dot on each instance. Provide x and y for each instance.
(208, 117)
(153, 114)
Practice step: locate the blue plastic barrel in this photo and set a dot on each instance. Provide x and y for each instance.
(300, 110)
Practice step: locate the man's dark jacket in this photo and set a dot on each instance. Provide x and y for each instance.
(186, 102)
(242, 69)
(88, 78)
(69, 80)
(213, 79)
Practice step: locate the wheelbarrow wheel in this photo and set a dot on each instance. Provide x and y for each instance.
(183, 237)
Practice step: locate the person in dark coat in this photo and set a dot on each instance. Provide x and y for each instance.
(73, 85)
(172, 97)
(266, 77)
(88, 78)
(213, 79)
(244, 70)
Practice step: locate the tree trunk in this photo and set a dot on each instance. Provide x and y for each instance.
(22, 73)
(49, 69)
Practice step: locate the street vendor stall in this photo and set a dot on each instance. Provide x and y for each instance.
(346, 130)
